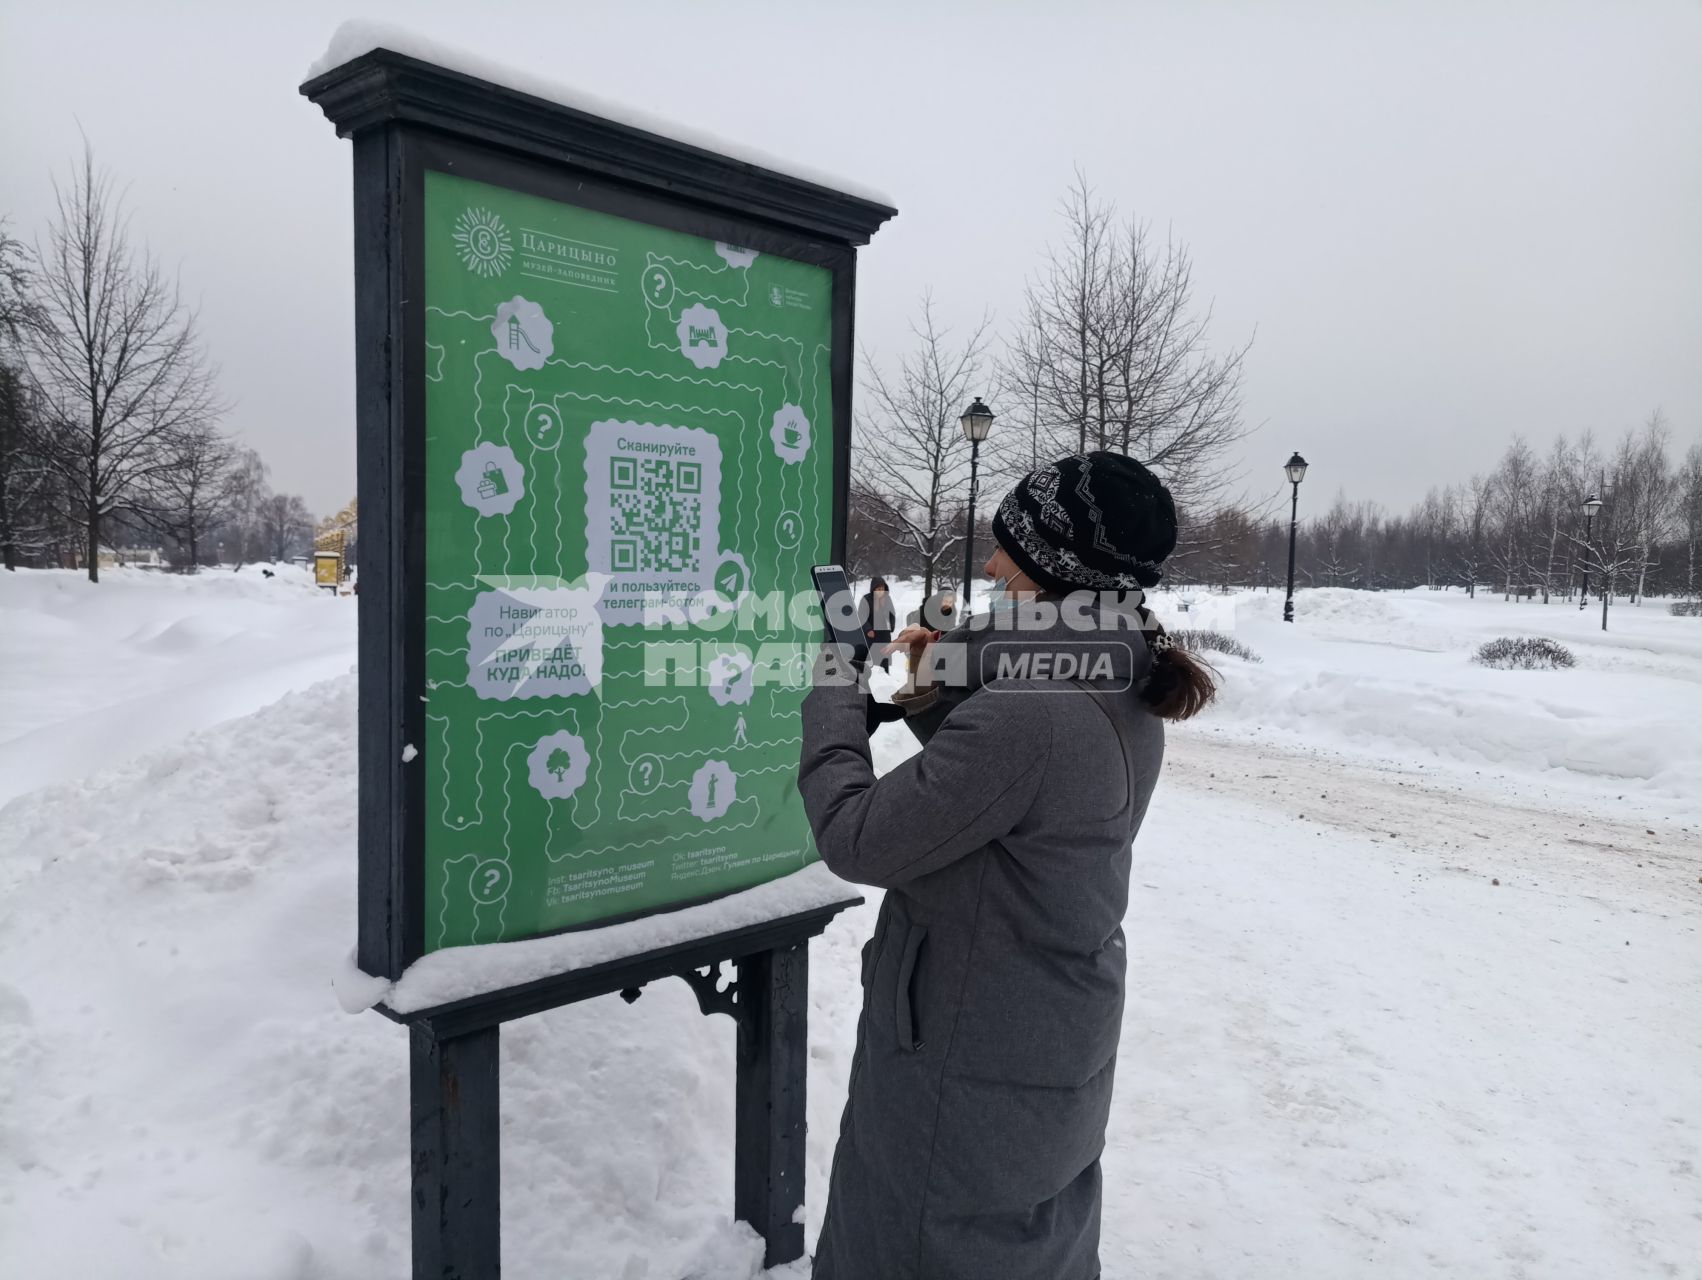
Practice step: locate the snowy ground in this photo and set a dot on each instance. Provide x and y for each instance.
(1348, 1051)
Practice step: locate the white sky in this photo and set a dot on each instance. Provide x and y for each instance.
(1447, 222)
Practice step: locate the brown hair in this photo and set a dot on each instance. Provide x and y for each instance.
(1179, 685)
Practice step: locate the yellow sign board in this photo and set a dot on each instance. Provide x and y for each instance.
(327, 569)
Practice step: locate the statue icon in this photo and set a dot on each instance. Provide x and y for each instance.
(714, 788)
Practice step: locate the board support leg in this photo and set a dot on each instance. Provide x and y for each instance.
(769, 1113)
(456, 1174)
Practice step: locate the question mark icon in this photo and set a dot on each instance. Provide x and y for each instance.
(646, 774)
(789, 526)
(490, 881)
(644, 768)
(661, 283)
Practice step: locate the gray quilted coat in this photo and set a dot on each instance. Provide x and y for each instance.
(993, 984)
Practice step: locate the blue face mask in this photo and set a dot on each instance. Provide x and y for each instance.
(999, 594)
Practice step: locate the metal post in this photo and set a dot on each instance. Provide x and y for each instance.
(1293, 527)
(1584, 565)
(452, 1096)
(769, 1113)
(969, 530)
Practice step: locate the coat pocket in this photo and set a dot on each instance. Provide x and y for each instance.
(904, 1012)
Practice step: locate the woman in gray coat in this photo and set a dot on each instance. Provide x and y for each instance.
(993, 984)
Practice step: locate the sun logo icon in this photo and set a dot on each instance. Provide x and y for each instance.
(482, 241)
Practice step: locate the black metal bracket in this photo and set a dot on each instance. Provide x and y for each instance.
(712, 997)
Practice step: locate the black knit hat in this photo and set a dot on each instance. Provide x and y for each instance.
(1090, 522)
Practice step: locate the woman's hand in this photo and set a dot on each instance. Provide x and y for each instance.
(914, 642)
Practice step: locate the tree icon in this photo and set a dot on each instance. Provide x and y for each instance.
(559, 763)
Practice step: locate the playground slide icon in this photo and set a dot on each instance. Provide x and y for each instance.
(524, 335)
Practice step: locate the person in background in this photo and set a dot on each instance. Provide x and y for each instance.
(992, 988)
(877, 616)
(938, 612)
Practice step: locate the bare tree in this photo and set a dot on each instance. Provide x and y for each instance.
(1690, 517)
(197, 492)
(1512, 498)
(1112, 353)
(114, 357)
(910, 446)
(18, 309)
(285, 525)
(25, 481)
(1473, 505)
(1609, 549)
(1648, 491)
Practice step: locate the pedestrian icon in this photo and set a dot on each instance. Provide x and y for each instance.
(739, 732)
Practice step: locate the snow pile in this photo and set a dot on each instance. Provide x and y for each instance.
(1390, 673)
(355, 38)
(179, 1089)
(96, 672)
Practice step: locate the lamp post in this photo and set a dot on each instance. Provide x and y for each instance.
(1592, 504)
(1296, 470)
(977, 421)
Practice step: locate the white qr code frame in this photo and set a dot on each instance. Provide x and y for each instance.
(641, 480)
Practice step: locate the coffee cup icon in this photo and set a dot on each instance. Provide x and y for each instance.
(790, 436)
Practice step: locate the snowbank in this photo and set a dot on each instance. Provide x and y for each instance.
(1390, 674)
(354, 38)
(181, 1097)
(93, 673)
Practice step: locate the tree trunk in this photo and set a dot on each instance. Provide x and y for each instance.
(94, 541)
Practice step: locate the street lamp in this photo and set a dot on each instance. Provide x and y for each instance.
(1592, 504)
(1295, 467)
(977, 421)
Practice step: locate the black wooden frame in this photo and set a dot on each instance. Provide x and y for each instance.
(406, 117)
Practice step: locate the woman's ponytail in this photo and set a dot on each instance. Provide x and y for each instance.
(1179, 685)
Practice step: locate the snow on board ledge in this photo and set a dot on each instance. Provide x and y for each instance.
(356, 38)
(458, 973)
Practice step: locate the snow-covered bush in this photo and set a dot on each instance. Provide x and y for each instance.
(1200, 641)
(1686, 608)
(1524, 653)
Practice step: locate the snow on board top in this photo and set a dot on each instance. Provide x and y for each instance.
(459, 973)
(355, 38)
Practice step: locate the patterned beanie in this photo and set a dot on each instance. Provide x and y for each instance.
(1090, 522)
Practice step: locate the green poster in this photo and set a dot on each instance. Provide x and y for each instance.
(629, 462)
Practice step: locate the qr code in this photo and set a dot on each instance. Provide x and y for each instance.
(655, 515)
